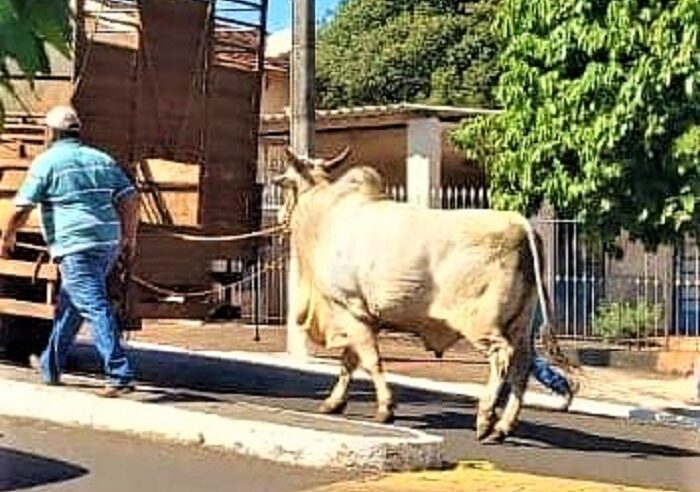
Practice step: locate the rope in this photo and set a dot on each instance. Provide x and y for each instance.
(270, 231)
(203, 293)
(33, 247)
(158, 289)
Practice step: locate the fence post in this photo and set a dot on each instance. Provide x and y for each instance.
(696, 374)
(256, 299)
(424, 159)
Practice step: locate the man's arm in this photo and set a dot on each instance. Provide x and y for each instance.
(128, 210)
(17, 219)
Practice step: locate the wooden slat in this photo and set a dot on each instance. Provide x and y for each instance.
(14, 164)
(25, 309)
(18, 268)
(24, 137)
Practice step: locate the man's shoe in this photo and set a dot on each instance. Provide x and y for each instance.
(111, 391)
(35, 363)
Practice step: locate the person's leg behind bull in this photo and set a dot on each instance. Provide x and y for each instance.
(545, 372)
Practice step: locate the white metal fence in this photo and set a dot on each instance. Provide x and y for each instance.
(641, 298)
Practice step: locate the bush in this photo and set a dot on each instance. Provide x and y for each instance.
(617, 321)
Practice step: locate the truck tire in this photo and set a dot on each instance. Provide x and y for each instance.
(21, 337)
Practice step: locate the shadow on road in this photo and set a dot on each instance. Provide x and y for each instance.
(538, 435)
(197, 374)
(19, 470)
(579, 440)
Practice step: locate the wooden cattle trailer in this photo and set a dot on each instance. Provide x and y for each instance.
(171, 88)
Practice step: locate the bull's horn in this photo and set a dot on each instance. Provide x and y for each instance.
(299, 163)
(331, 164)
(278, 179)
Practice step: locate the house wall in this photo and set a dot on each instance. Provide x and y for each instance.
(385, 149)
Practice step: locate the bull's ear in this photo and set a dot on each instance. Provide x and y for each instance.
(296, 161)
(336, 161)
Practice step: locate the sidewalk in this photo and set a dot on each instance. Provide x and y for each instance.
(405, 356)
(191, 417)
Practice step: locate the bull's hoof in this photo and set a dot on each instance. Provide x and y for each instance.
(496, 437)
(385, 416)
(333, 407)
(484, 428)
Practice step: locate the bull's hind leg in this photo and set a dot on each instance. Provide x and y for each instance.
(337, 400)
(518, 377)
(500, 354)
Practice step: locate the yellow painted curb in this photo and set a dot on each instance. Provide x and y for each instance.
(475, 476)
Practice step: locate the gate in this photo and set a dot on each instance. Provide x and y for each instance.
(642, 298)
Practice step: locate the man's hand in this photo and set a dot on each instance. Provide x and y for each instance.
(7, 244)
(128, 247)
(9, 230)
(128, 209)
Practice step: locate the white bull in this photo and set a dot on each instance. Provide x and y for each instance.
(365, 262)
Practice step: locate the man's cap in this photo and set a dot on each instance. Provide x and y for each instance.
(62, 118)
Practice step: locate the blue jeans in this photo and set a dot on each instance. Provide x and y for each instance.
(550, 377)
(83, 297)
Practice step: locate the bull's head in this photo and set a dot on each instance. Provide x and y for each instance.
(303, 173)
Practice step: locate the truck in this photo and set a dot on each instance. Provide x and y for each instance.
(171, 89)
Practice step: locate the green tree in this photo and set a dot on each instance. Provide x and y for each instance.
(26, 28)
(601, 115)
(378, 52)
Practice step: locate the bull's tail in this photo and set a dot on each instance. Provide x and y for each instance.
(549, 340)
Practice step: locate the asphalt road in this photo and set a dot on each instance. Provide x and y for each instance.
(45, 457)
(546, 443)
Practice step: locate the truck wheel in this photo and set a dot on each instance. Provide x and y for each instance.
(22, 337)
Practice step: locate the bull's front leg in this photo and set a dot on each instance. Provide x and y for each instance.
(337, 401)
(368, 353)
(362, 340)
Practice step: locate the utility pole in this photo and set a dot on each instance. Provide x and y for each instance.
(302, 139)
(303, 83)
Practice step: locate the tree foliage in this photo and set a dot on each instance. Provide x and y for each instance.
(601, 115)
(378, 52)
(26, 28)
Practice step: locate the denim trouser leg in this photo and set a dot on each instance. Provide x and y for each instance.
(549, 377)
(84, 296)
(66, 324)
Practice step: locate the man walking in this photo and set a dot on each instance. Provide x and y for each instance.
(89, 212)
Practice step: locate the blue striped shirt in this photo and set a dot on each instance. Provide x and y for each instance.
(77, 188)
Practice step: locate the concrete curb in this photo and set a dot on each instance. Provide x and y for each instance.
(471, 390)
(644, 416)
(300, 446)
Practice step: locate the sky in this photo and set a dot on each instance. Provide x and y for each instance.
(279, 13)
